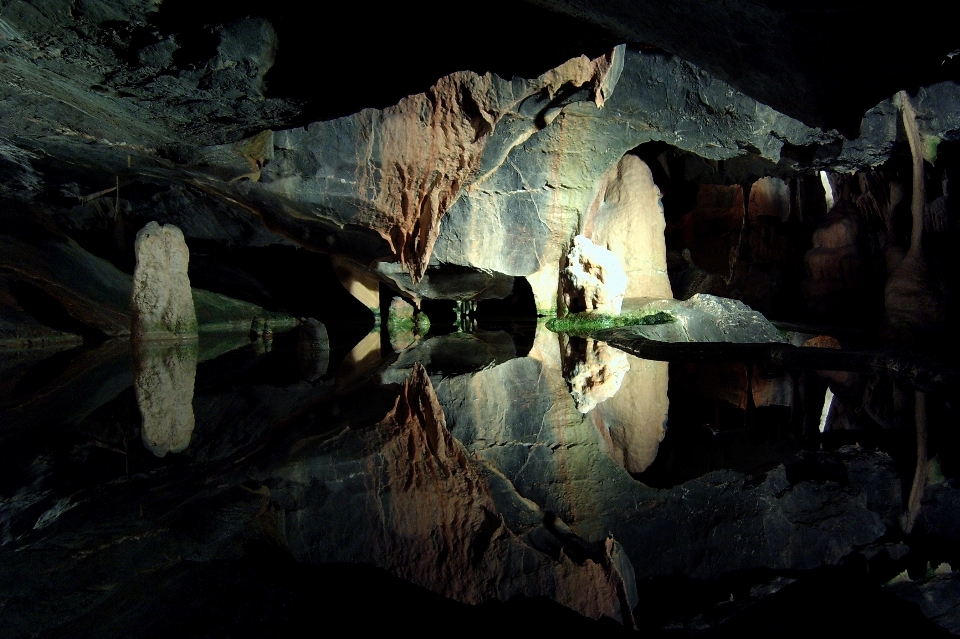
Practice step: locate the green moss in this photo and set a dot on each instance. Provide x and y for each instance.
(587, 323)
(221, 314)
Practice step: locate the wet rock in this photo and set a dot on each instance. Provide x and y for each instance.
(162, 299)
(692, 280)
(20, 329)
(711, 231)
(446, 282)
(937, 594)
(842, 274)
(164, 377)
(89, 289)
(764, 270)
(401, 310)
(594, 280)
(705, 318)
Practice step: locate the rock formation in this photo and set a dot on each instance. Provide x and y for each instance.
(425, 512)
(594, 374)
(626, 218)
(594, 280)
(162, 300)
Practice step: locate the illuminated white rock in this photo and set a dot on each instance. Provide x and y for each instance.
(594, 280)
(162, 300)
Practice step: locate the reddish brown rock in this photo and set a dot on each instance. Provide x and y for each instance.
(438, 525)
(430, 146)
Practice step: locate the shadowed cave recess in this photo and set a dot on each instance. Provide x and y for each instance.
(622, 317)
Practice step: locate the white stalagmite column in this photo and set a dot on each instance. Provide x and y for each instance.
(164, 334)
(162, 299)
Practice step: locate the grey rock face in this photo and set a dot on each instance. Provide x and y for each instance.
(937, 595)
(705, 318)
(313, 349)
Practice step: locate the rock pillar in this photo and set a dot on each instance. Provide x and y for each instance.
(162, 300)
(626, 218)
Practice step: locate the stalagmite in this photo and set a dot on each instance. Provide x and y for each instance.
(913, 301)
(162, 300)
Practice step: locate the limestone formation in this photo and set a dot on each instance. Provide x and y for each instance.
(418, 505)
(162, 300)
(358, 281)
(164, 375)
(842, 276)
(914, 297)
(633, 422)
(593, 280)
(626, 218)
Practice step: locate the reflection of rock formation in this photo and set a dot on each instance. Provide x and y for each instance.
(593, 279)
(519, 419)
(313, 349)
(364, 356)
(162, 299)
(625, 396)
(593, 372)
(164, 374)
(426, 513)
(633, 421)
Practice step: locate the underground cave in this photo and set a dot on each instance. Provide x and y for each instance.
(622, 318)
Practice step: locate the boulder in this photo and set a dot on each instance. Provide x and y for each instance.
(705, 318)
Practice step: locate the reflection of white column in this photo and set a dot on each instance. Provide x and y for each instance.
(164, 375)
(633, 422)
(827, 404)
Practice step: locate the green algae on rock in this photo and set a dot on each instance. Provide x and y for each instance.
(586, 323)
